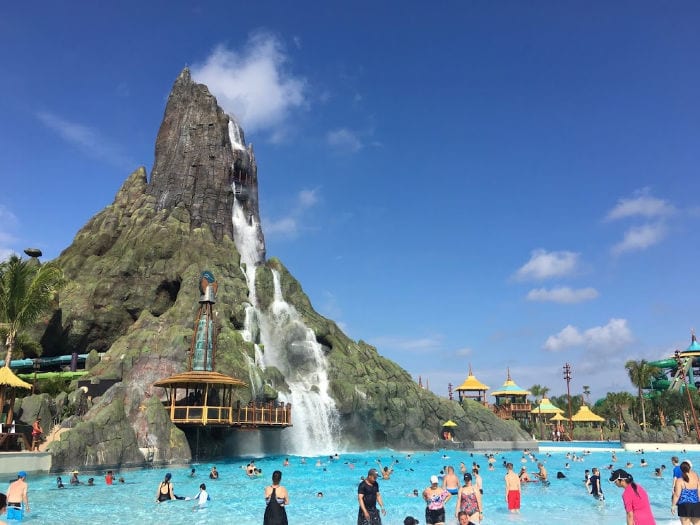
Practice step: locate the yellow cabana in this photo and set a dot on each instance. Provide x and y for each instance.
(9, 381)
(472, 388)
(584, 414)
(449, 423)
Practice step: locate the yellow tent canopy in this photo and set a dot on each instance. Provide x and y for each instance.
(584, 414)
(449, 423)
(558, 417)
(8, 378)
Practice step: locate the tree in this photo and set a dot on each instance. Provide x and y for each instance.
(27, 291)
(614, 406)
(541, 392)
(587, 394)
(641, 373)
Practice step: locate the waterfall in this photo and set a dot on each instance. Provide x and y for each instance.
(292, 348)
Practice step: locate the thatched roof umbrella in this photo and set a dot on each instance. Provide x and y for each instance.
(8, 382)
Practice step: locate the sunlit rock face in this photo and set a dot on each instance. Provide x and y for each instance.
(133, 274)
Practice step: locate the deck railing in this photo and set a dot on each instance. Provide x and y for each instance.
(251, 415)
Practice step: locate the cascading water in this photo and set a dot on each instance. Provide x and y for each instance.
(291, 347)
(288, 344)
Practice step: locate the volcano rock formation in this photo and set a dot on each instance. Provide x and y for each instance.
(133, 271)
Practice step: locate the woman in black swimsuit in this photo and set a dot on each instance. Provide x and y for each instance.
(276, 497)
(165, 489)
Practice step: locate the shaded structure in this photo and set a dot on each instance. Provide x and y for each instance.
(8, 383)
(203, 397)
(586, 415)
(511, 402)
(473, 389)
(559, 432)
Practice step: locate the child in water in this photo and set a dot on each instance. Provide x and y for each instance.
(202, 497)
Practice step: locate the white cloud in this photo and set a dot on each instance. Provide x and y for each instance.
(544, 265)
(290, 225)
(640, 238)
(640, 205)
(86, 139)
(464, 352)
(615, 334)
(562, 294)
(344, 140)
(253, 85)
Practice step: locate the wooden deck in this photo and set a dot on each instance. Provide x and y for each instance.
(254, 415)
(14, 441)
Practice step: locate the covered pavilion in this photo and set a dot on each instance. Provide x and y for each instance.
(473, 389)
(511, 401)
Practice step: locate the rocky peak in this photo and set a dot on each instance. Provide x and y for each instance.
(200, 156)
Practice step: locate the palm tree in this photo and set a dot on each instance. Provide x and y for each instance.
(614, 406)
(587, 394)
(27, 291)
(640, 373)
(541, 392)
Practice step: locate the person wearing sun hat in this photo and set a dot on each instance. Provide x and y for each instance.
(634, 498)
(74, 478)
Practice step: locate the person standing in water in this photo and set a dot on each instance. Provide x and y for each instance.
(201, 498)
(685, 496)
(594, 483)
(450, 482)
(277, 498)
(469, 500)
(17, 492)
(512, 489)
(634, 498)
(368, 496)
(436, 497)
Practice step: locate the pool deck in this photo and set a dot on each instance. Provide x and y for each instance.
(616, 446)
(31, 462)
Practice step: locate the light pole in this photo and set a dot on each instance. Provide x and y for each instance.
(567, 377)
(679, 360)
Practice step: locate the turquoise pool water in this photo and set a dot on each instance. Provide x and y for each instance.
(237, 499)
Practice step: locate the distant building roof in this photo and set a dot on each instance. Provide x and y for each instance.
(584, 414)
(471, 383)
(509, 388)
(546, 407)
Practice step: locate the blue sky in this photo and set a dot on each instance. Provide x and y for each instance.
(506, 184)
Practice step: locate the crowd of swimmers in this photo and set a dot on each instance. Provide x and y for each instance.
(465, 489)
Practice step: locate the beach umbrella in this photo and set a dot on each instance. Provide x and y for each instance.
(449, 423)
(8, 381)
(558, 417)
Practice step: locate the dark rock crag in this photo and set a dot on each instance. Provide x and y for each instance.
(133, 271)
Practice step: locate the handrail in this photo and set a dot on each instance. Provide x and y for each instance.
(253, 414)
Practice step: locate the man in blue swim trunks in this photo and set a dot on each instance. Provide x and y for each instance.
(450, 482)
(368, 496)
